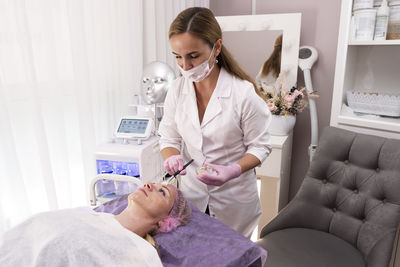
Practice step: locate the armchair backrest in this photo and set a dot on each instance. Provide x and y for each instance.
(351, 190)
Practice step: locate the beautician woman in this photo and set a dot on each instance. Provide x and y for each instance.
(213, 115)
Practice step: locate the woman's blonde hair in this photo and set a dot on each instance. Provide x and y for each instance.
(201, 22)
(273, 63)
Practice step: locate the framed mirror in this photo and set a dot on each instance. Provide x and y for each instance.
(251, 39)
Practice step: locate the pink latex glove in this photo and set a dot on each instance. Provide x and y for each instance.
(173, 164)
(223, 174)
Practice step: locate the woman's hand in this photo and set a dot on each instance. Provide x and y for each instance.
(222, 175)
(173, 164)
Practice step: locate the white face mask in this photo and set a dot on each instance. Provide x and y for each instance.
(200, 72)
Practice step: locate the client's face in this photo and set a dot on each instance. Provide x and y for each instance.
(156, 200)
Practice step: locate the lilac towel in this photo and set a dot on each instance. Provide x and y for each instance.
(204, 241)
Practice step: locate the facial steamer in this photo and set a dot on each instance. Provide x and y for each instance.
(307, 57)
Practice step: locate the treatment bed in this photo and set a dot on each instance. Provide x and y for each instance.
(204, 241)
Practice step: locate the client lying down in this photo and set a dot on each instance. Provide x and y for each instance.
(83, 237)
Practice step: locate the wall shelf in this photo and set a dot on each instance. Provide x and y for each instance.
(368, 66)
(379, 123)
(383, 42)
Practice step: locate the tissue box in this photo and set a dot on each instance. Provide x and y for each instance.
(374, 103)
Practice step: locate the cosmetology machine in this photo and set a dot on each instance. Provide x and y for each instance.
(134, 151)
(156, 79)
(307, 57)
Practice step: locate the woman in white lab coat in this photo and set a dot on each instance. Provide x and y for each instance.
(213, 115)
(271, 68)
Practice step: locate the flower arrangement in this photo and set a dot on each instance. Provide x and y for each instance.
(281, 100)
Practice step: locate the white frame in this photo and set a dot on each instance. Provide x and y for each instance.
(112, 177)
(341, 57)
(145, 135)
(289, 23)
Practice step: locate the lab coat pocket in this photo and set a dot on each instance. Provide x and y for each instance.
(245, 188)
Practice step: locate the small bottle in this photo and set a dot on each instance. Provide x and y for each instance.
(205, 169)
(382, 18)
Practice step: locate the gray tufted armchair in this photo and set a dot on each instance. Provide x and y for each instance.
(347, 209)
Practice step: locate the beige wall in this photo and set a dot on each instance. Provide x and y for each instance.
(319, 28)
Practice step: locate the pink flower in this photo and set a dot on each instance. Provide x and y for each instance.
(281, 101)
(271, 106)
(296, 93)
(290, 98)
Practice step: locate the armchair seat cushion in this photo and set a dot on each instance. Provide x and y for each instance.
(300, 247)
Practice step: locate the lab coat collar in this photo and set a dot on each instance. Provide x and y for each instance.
(224, 84)
(192, 111)
(223, 89)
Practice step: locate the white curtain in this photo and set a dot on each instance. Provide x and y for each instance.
(68, 71)
(158, 15)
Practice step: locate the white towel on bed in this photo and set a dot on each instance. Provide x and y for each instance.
(74, 237)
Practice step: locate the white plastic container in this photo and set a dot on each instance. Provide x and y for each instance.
(364, 23)
(374, 103)
(377, 4)
(382, 18)
(393, 31)
(393, 2)
(362, 4)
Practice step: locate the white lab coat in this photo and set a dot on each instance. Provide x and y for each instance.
(266, 81)
(235, 123)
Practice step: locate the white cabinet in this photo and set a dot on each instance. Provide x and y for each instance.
(274, 175)
(372, 66)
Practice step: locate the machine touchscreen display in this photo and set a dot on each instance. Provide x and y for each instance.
(133, 126)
